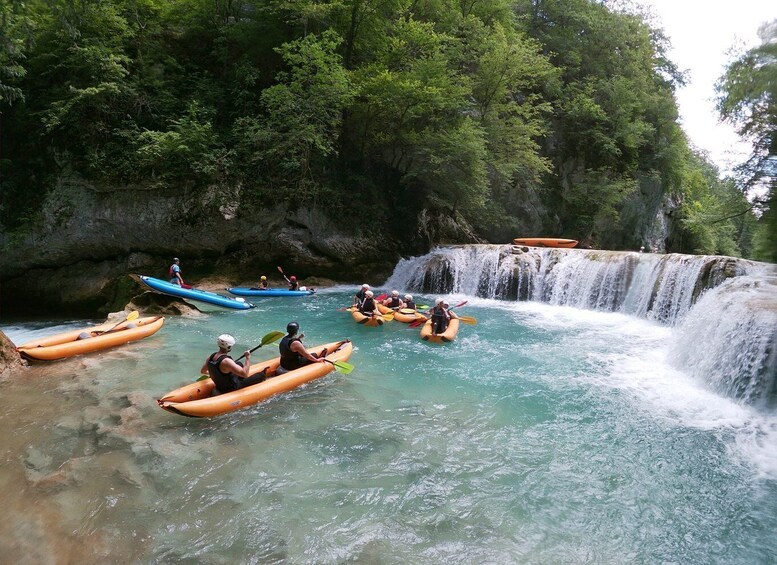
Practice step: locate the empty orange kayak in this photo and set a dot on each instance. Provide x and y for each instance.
(196, 399)
(545, 242)
(67, 344)
(445, 337)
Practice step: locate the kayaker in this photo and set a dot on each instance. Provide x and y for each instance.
(409, 303)
(175, 272)
(263, 284)
(368, 307)
(441, 316)
(394, 301)
(292, 280)
(293, 353)
(358, 298)
(228, 374)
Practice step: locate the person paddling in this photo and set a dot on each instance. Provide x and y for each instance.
(394, 301)
(360, 295)
(293, 353)
(292, 280)
(368, 306)
(175, 272)
(410, 303)
(226, 373)
(441, 316)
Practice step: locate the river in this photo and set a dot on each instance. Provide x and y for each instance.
(544, 434)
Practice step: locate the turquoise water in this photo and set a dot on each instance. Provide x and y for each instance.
(544, 434)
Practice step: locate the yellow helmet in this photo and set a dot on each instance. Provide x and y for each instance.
(264, 278)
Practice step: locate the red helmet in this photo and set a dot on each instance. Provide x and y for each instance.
(292, 278)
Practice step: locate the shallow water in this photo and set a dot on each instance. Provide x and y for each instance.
(544, 434)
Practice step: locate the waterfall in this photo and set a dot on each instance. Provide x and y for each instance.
(724, 310)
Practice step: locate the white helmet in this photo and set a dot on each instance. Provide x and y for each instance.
(365, 286)
(225, 341)
(368, 294)
(408, 297)
(438, 302)
(394, 293)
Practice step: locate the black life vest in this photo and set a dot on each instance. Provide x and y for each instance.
(290, 360)
(410, 304)
(367, 306)
(293, 285)
(395, 302)
(225, 382)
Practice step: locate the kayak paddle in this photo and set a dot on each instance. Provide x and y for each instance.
(131, 316)
(341, 366)
(468, 320)
(269, 338)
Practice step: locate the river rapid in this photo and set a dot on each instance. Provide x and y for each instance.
(544, 434)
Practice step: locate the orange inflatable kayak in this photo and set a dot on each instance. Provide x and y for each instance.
(446, 337)
(544, 242)
(67, 344)
(195, 399)
(404, 315)
(371, 321)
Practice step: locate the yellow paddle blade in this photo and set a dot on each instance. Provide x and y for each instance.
(133, 315)
(388, 317)
(468, 320)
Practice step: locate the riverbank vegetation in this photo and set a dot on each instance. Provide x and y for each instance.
(500, 112)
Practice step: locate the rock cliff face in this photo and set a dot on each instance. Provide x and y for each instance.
(90, 237)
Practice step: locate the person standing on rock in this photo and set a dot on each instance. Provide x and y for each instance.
(175, 272)
(226, 373)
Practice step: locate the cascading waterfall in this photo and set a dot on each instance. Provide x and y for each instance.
(725, 309)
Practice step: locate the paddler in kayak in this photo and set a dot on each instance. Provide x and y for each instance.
(263, 284)
(368, 306)
(441, 316)
(292, 280)
(175, 272)
(293, 353)
(410, 303)
(226, 373)
(394, 301)
(358, 298)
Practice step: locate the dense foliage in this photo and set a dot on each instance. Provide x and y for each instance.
(483, 108)
(748, 99)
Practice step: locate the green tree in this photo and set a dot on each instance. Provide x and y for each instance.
(747, 98)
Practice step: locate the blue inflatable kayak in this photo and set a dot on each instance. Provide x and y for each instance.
(270, 292)
(192, 293)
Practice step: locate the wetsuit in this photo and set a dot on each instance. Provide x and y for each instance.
(394, 302)
(367, 307)
(227, 382)
(440, 319)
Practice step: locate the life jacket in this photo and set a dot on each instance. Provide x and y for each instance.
(263, 285)
(294, 285)
(367, 306)
(360, 296)
(290, 360)
(410, 304)
(395, 302)
(225, 382)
